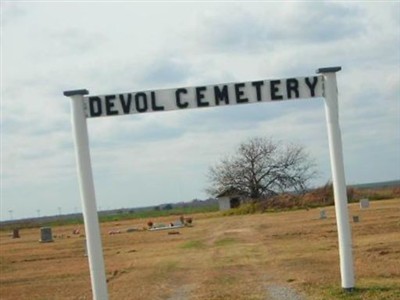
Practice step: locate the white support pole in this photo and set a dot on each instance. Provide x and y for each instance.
(338, 176)
(92, 228)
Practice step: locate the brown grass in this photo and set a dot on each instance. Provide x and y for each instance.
(232, 257)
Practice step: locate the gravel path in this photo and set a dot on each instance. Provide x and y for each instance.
(182, 293)
(275, 292)
(281, 292)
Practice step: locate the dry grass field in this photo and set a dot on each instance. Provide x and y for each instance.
(260, 256)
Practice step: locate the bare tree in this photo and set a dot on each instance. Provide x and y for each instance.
(262, 167)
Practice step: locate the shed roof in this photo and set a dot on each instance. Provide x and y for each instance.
(229, 192)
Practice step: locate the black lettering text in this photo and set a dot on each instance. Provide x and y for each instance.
(95, 106)
(292, 86)
(110, 105)
(154, 106)
(126, 103)
(221, 94)
(239, 93)
(257, 85)
(179, 102)
(312, 85)
(274, 86)
(200, 96)
(141, 102)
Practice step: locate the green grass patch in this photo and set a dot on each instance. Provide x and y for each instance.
(244, 209)
(372, 292)
(226, 279)
(225, 242)
(195, 244)
(169, 266)
(362, 292)
(164, 271)
(148, 214)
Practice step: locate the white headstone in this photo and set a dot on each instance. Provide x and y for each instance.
(364, 203)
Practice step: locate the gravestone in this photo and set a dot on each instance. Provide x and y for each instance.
(46, 235)
(15, 234)
(322, 214)
(356, 219)
(364, 203)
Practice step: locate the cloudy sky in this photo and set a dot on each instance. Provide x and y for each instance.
(149, 159)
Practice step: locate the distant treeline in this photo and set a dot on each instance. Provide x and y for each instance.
(323, 196)
(378, 185)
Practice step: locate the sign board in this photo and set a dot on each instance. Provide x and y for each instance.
(203, 96)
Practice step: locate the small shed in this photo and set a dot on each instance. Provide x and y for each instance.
(229, 198)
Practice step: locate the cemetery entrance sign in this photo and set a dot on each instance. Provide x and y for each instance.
(84, 107)
(203, 96)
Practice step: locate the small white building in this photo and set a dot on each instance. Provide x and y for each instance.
(230, 198)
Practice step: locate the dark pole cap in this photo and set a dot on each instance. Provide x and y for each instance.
(328, 70)
(76, 92)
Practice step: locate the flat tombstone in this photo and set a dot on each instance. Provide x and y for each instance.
(322, 214)
(356, 219)
(46, 235)
(15, 234)
(364, 203)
